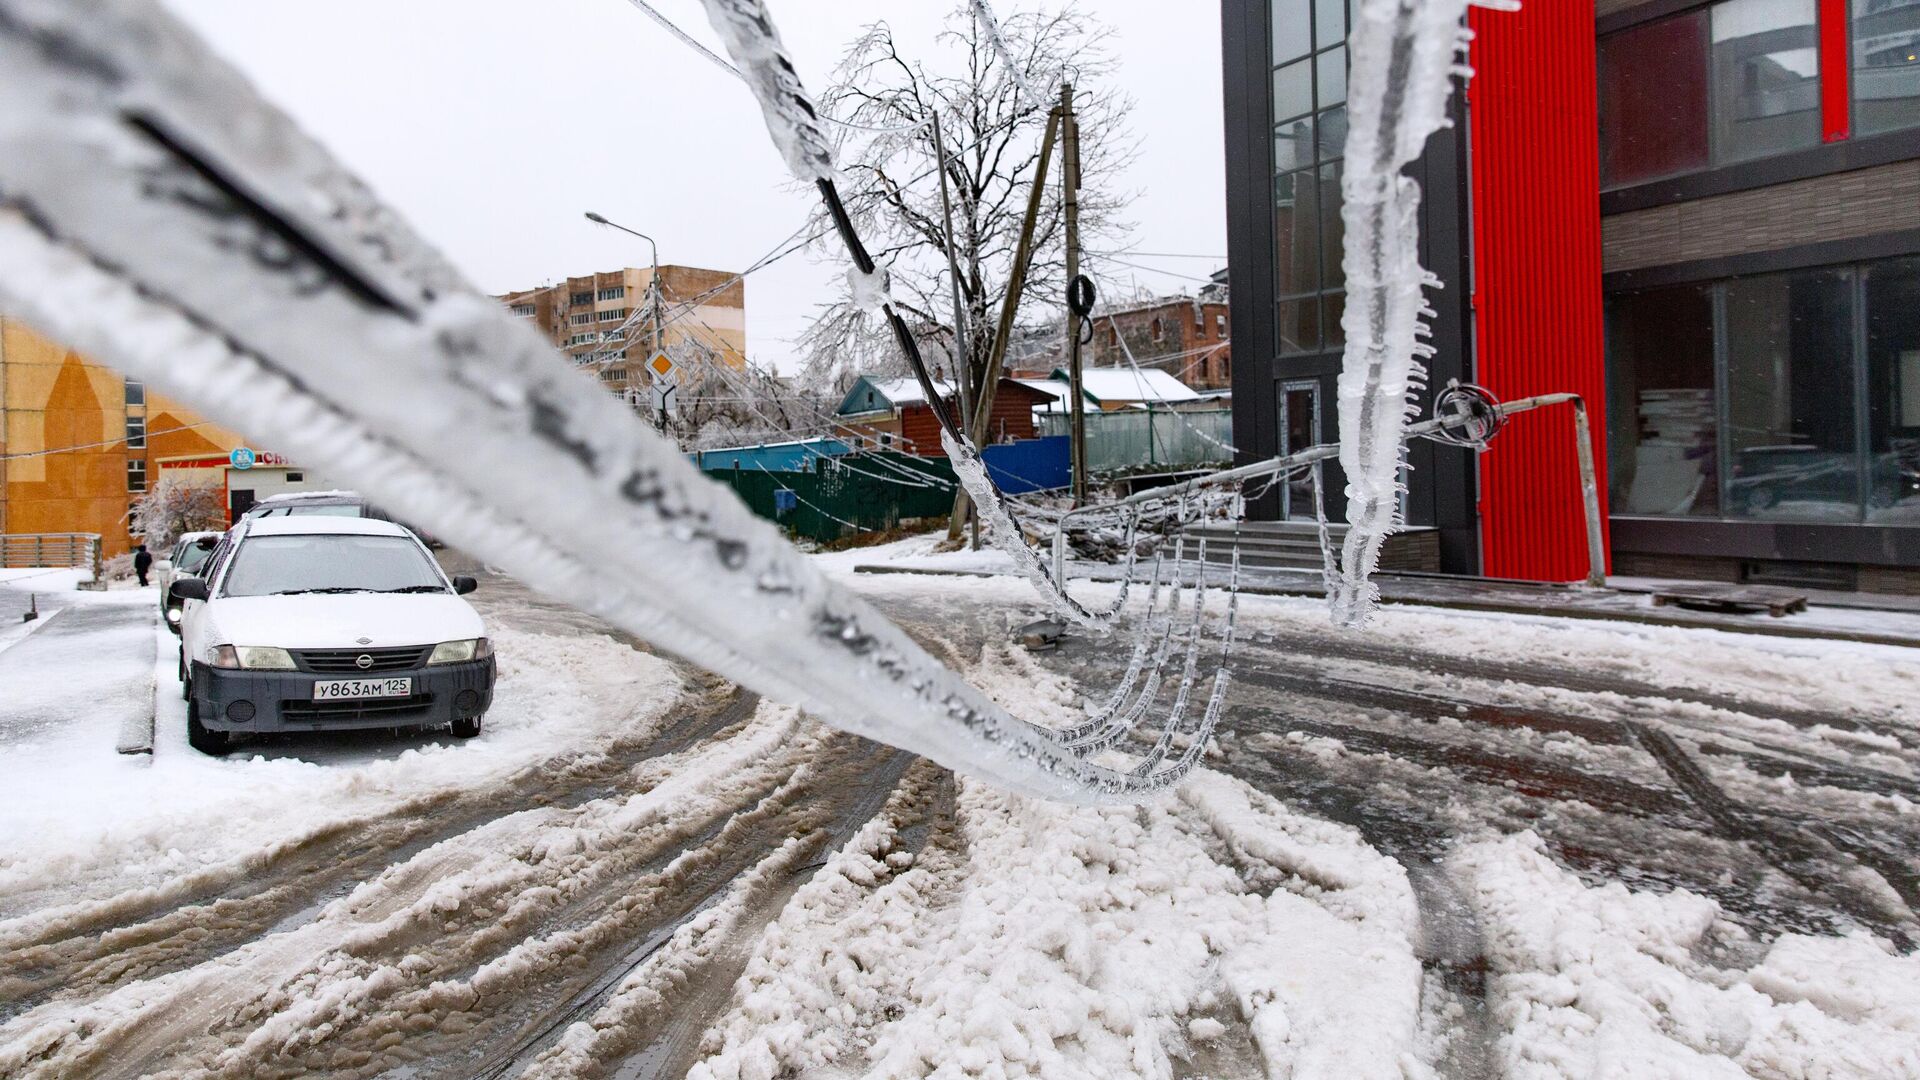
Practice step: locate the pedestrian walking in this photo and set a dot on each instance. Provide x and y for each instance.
(142, 561)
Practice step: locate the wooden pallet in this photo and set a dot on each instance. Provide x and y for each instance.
(1732, 599)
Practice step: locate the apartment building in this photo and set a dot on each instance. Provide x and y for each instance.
(608, 320)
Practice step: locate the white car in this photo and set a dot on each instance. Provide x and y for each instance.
(321, 623)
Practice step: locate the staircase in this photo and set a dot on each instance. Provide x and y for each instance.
(1294, 545)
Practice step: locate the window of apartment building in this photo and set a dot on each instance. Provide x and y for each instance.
(580, 299)
(1156, 330)
(1220, 325)
(524, 311)
(136, 393)
(1309, 106)
(581, 318)
(1886, 65)
(1743, 398)
(136, 432)
(136, 474)
(614, 315)
(617, 292)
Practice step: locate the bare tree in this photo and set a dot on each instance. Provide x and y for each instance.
(992, 134)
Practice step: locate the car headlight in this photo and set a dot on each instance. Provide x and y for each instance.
(265, 658)
(223, 657)
(459, 652)
(173, 614)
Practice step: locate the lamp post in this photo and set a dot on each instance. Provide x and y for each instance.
(653, 285)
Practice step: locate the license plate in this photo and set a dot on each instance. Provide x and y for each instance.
(348, 689)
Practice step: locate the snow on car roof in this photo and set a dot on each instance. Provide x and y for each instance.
(303, 496)
(311, 524)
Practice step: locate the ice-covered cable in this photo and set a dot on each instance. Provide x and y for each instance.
(155, 212)
(1403, 62)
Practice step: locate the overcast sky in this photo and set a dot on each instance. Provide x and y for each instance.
(493, 124)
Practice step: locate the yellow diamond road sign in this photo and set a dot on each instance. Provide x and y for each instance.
(660, 364)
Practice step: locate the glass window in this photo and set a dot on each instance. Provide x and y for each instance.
(1333, 229)
(1893, 391)
(1332, 68)
(1332, 306)
(1293, 90)
(1329, 23)
(1662, 450)
(136, 392)
(1299, 325)
(1296, 228)
(136, 474)
(1292, 32)
(1653, 100)
(1333, 133)
(1790, 412)
(1766, 74)
(1886, 65)
(1293, 144)
(136, 432)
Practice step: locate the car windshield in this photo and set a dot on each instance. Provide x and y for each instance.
(276, 565)
(326, 509)
(192, 559)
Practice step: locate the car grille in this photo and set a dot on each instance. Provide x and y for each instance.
(314, 711)
(347, 661)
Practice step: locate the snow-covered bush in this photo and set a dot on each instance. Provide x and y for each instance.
(173, 507)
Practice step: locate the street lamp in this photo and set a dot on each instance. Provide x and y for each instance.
(653, 286)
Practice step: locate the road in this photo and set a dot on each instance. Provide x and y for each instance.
(588, 915)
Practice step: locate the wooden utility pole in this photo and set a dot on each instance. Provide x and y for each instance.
(1009, 311)
(1070, 181)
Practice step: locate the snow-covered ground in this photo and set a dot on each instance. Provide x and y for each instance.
(1449, 845)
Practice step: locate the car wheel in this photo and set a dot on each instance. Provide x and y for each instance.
(466, 727)
(211, 743)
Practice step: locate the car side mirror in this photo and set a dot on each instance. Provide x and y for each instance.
(192, 588)
(464, 585)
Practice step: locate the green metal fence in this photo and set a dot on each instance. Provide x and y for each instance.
(831, 500)
(1130, 440)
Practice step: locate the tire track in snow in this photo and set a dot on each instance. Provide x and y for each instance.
(153, 933)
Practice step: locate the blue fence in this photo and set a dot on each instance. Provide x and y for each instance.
(1043, 464)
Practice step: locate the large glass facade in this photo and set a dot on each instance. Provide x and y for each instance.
(1309, 61)
(1893, 391)
(1760, 398)
(1663, 428)
(1653, 100)
(1766, 78)
(1886, 65)
(1790, 415)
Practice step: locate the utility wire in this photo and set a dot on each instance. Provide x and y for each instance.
(25, 454)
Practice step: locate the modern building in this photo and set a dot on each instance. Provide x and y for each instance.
(80, 444)
(608, 320)
(1185, 336)
(1702, 217)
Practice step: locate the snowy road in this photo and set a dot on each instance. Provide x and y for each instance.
(1478, 846)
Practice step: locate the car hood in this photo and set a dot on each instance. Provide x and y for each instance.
(342, 620)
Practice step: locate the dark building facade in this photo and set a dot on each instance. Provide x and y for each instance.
(1704, 217)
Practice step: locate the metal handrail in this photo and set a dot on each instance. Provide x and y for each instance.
(1583, 444)
(49, 549)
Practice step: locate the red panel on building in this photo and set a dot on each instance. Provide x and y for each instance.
(1537, 313)
(1836, 122)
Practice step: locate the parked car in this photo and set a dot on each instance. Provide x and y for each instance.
(330, 504)
(313, 622)
(185, 559)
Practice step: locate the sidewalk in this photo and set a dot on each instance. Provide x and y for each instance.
(1897, 623)
(81, 677)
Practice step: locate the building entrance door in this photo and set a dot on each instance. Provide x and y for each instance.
(1299, 429)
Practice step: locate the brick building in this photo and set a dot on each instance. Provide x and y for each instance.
(603, 319)
(1702, 216)
(895, 413)
(1185, 336)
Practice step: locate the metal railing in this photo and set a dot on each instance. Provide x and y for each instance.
(1583, 447)
(79, 550)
